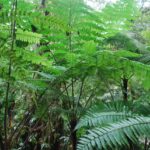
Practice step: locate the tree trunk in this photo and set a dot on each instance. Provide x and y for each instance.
(1, 142)
(125, 89)
(73, 124)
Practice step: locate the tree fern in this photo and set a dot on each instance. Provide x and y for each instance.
(115, 135)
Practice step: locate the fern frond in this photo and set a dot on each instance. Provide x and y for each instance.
(27, 36)
(116, 134)
(145, 59)
(4, 31)
(21, 35)
(94, 119)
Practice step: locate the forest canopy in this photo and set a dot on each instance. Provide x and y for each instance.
(74, 74)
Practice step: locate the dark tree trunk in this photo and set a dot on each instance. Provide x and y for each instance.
(125, 99)
(125, 89)
(1, 142)
(73, 124)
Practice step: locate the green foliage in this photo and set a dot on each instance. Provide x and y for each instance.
(26, 36)
(96, 119)
(57, 58)
(112, 125)
(115, 135)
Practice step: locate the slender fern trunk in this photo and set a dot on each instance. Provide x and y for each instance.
(145, 144)
(1, 142)
(125, 99)
(73, 120)
(73, 124)
(12, 32)
(125, 89)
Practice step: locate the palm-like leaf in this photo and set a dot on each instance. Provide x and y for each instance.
(94, 119)
(116, 134)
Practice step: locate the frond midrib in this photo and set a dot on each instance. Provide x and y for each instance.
(115, 129)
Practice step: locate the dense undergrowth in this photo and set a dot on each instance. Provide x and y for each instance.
(73, 77)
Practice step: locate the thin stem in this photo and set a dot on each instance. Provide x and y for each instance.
(80, 93)
(145, 144)
(13, 35)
